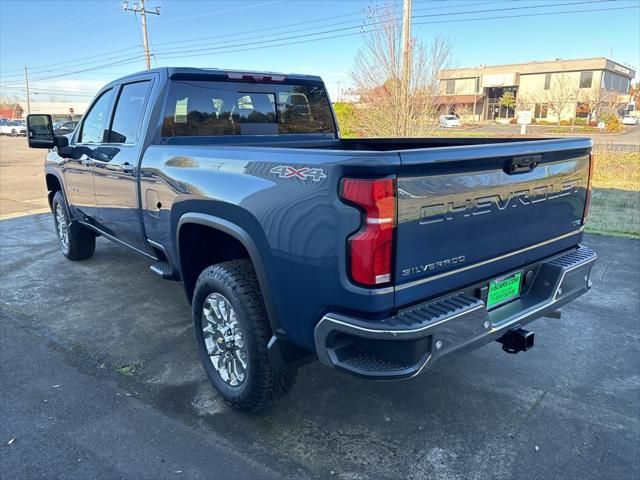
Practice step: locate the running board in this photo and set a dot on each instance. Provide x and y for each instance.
(163, 270)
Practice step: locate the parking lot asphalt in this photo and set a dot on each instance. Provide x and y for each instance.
(100, 378)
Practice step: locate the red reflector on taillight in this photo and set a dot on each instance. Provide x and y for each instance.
(587, 203)
(371, 248)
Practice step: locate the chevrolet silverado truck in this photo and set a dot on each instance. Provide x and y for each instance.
(376, 256)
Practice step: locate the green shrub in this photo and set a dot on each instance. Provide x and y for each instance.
(614, 125)
(346, 115)
(565, 123)
(580, 121)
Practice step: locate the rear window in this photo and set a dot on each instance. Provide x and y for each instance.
(200, 108)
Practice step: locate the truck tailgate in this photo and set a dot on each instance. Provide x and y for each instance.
(469, 213)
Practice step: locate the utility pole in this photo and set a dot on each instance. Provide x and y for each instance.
(476, 82)
(26, 79)
(143, 19)
(406, 64)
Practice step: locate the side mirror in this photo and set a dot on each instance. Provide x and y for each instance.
(40, 131)
(62, 145)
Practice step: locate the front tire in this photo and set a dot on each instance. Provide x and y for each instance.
(76, 242)
(14, 133)
(232, 332)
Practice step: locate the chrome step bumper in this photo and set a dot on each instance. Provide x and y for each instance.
(401, 346)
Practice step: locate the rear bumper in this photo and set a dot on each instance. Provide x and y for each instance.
(403, 345)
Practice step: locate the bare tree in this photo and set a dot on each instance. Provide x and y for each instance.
(561, 96)
(377, 76)
(597, 101)
(524, 103)
(465, 112)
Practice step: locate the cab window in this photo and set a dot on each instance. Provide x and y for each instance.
(94, 128)
(203, 108)
(129, 112)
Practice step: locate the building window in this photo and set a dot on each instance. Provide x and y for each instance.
(624, 85)
(540, 110)
(451, 87)
(586, 79)
(477, 85)
(613, 81)
(547, 81)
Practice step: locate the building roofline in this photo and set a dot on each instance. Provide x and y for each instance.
(539, 62)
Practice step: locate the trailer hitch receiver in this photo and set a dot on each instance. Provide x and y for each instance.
(516, 340)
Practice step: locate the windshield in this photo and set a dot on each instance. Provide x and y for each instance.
(201, 108)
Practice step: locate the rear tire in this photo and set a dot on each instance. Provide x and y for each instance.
(76, 241)
(232, 332)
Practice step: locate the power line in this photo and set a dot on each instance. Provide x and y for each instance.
(218, 12)
(371, 24)
(305, 22)
(54, 93)
(257, 45)
(88, 60)
(74, 21)
(111, 57)
(181, 55)
(122, 62)
(359, 25)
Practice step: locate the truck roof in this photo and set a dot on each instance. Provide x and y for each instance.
(171, 71)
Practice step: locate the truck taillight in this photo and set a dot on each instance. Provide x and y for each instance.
(587, 203)
(371, 248)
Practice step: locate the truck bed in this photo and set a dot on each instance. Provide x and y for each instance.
(349, 144)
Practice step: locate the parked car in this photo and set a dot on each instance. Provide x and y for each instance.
(630, 120)
(11, 127)
(63, 128)
(448, 121)
(379, 257)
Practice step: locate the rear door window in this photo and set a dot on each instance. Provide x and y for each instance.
(201, 108)
(129, 112)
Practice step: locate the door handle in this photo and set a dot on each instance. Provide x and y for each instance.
(87, 162)
(128, 168)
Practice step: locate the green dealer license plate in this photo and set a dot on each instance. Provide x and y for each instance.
(504, 289)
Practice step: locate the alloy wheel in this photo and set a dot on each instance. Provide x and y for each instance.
(63, 227)
(223, 339)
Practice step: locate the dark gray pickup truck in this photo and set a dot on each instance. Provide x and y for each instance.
(378, 257)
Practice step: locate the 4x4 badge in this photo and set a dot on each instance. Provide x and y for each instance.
(287, 171)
